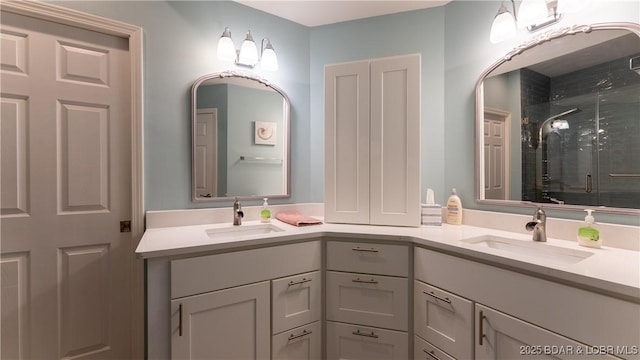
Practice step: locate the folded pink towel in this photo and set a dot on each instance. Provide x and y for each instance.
(297, 219)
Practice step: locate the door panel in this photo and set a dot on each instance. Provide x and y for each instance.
(347, 143)
(66, 174)
(395, 141)
(15, 155)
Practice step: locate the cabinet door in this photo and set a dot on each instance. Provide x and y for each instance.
(304, 342)
(295, 301)
(225, 324)
(373, 300)
(395, 141)
(444, 319)
(346, 111)
(345, 341)
(501, 336)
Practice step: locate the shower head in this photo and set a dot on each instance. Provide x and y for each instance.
(548, 124)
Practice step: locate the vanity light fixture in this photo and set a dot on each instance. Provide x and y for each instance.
(532, 15)
(226, 48)
(248, 53)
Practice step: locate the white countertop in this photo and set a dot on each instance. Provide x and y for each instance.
(609, 270)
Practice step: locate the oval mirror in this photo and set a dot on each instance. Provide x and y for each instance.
(558, 121)
(240, 138)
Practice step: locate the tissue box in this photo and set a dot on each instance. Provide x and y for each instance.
(431, 214)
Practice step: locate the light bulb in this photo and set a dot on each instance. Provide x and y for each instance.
(269, 59)
(248, 51)
(226, 48)
(503, 26)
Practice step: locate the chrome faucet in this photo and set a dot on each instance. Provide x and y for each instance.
(238, 214)
(538, 225)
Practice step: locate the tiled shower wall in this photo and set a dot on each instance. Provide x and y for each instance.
(619, 114)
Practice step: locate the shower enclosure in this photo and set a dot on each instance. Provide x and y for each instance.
(585, 149)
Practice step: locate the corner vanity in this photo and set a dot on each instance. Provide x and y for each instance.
(336, 291)
(339, 291)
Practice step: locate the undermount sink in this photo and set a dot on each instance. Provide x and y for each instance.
(530, 249)
(232, 231)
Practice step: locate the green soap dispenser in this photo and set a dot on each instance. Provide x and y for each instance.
(265, 213)
(588, 234)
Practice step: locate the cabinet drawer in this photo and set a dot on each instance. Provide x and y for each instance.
(345, 341)
(213, 272)
(372, 300)
(301, 343)
(444, 319)
(368, 258)
(295, 301)
(423, 350)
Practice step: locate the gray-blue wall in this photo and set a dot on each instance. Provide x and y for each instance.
(180, 43)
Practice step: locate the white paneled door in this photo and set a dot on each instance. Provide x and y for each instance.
(206, 152)
(496, 166)
(66, 186)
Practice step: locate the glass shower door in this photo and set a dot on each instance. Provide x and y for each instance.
(618, 148)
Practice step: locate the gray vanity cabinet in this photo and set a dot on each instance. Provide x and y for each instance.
(516, 315)
(442, 320)
(224, 324)
(501, 336)
(367, 300)
(296, 306)
(222, 305)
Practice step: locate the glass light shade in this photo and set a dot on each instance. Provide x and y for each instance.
(532, 12)
(248, 51)
(226, 47)
(503, 26)
(269, 59)
(572, 6)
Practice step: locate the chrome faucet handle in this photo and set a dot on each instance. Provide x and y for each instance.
(539, 214)
(238, 214)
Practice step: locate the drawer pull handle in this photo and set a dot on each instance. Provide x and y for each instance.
(371, 334)
(480, 328)
(304, 280)
(433, 295)
(304, 333)
(358, 248)
(431, 353)
(180, 320)
(358, 280)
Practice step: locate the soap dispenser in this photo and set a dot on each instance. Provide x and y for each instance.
(265, 212)
(588, 234)
(454, 209)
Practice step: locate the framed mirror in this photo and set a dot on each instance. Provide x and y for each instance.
(240, 138)
(558, 121)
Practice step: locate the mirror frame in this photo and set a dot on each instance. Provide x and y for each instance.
(286, 133)
(479, 116)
